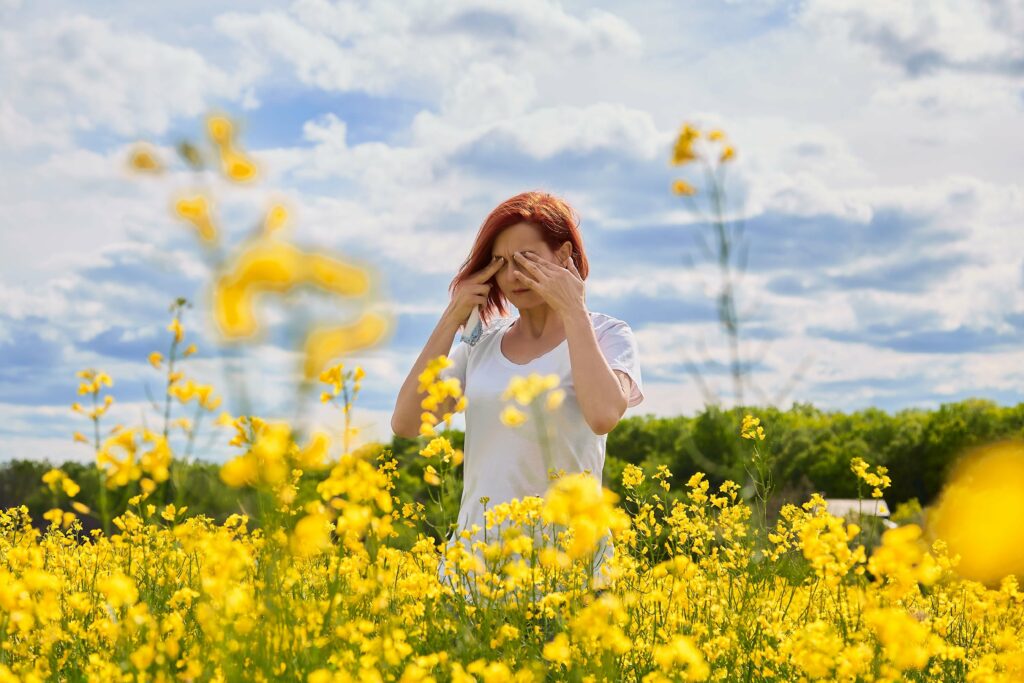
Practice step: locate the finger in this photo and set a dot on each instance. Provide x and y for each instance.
(525, 279)
(526, 262)
(490, 269)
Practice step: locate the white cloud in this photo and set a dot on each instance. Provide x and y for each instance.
(922, 36)
(77, 73)
(421, 49)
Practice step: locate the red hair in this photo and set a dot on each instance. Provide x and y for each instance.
(553, 217)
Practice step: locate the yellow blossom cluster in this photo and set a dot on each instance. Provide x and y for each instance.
(57, 477)
(751, 428)
(273, 458)
(685, 152)
(525, 390)
(580, 503)
(441, 395)
(878, 480)
(135, 454)
(333, 596)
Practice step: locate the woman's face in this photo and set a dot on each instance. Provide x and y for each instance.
(523, 237)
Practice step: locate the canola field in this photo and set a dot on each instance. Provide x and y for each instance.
(699, 590)
(318, 584)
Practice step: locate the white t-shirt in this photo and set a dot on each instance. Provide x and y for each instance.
(503, 462)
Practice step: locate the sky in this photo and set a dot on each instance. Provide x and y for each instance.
(877, 181)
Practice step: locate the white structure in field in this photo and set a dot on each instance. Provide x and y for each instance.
(851, 507)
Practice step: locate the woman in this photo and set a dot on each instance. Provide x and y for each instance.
(529, 252)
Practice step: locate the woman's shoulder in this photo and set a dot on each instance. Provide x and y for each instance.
(603, 322)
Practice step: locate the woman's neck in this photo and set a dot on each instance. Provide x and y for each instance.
(540, 322)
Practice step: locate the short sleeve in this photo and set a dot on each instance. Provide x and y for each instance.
(459, 357)
(618, 344)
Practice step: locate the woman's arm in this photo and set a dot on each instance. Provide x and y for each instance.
(405, 420)
(598, 389)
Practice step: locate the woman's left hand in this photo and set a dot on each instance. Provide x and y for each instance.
(560, 286)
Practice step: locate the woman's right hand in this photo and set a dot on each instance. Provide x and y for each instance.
(473, 291)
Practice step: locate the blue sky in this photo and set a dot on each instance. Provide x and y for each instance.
(877, 181)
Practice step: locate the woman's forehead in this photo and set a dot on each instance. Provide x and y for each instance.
(517, 245)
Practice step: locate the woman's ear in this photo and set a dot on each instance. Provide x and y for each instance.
(565, 252)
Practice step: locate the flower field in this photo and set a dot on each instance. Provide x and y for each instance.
(319, 590)
(335, 578)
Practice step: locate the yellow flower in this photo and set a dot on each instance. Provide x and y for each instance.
(555, 399)
(558, 650)
(240, 471)
(196, 210)
(70, 487)
(980, 512)
(431, 477)
(681, 650)
(525, 389)
(80, 437)
(727, 154)
(326, 343)
(155, 359)
(314, 455)
(276, 219)
(512, 416)
(632, 476)
(312, 535)
(118, 589)
(236, 165)
(751, 428)
(81, 507)
(715, 134)
(143, 159)
(189, 350)
(53, 477)
(878, 480)
(683, 151)
(684, 188)
(220, 130)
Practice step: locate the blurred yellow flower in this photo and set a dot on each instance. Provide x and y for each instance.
(555, 399)
(143, 159)
(683, 151)
(684, 188)
(980, 512)
(327, 343)
(189, 350)
(237, 166)
(431, 477)
(70, 487)
(512, 416)
(312, 535)
(557, 650)
(277, 218)
(155, 359)
(678, 652)
(238, 472)
(727, 154)
(118, 589)
(525, 389)
(220, 130)
(196, 210)
(175, 327)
